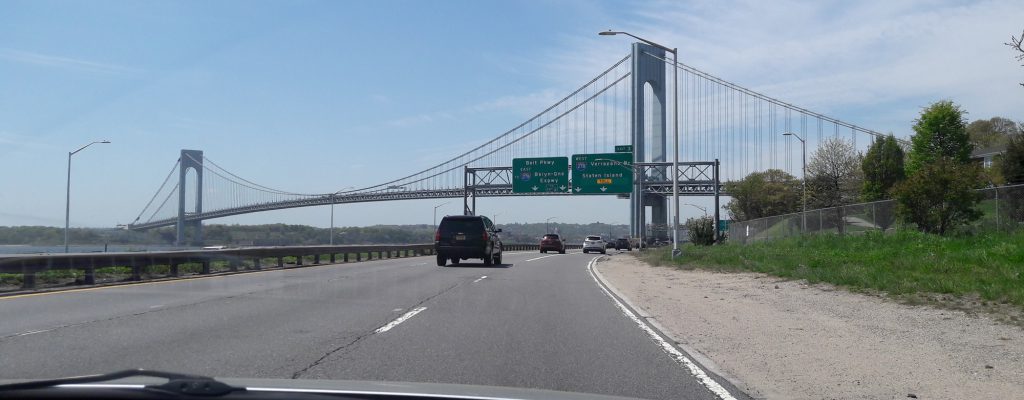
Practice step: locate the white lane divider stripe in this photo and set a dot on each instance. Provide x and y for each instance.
(538, 258)
(666, 346)
(480, 279)
(399, 320)
(34, 332)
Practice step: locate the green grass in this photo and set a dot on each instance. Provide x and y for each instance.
(990, 265)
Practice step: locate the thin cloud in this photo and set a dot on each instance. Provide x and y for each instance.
(10, 140)
(421, 119)
(45, 60)
(832, 57)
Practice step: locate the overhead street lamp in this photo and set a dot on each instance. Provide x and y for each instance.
(675, 135)
(333, 198)
(435, 212)
(494, 218)
(67, 203)
(803, 150)
(547, 228)
(704, 209)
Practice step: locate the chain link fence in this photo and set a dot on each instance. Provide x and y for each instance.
(1002, 209)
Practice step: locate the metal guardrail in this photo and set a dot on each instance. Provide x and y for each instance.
(31, 265)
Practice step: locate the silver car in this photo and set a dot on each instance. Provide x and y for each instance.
(595, 243)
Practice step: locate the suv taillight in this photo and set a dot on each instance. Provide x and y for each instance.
(485, 236)
(437, 235)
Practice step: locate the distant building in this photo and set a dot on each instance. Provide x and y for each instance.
(985, 156)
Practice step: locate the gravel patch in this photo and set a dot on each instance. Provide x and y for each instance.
(787, 339)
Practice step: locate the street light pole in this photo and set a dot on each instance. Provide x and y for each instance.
(547, 228)
(67, 202)
(333, 198)
(332, 218)
(435, 213)
(803, 151)
(675, 135)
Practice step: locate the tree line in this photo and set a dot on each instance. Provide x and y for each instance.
(293, 235)
(932, 178)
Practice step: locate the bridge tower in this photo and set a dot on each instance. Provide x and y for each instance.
(650, 71)
(190, 159)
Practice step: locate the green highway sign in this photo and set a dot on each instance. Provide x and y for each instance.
(624, 148)
(604, 173)
(540, 175)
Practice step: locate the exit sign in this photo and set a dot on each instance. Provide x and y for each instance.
(624, 148)
(607, 173)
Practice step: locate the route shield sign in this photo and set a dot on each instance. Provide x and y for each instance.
(604, 173)
(540, 175)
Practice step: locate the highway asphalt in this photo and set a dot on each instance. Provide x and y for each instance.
(538, 321)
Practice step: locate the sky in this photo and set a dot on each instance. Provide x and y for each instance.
(314, 96)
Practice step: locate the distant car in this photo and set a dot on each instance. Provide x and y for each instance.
(461, 237)
(623, 243)
(595, 243)
(552, 242)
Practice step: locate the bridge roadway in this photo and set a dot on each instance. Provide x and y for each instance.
(536, 321)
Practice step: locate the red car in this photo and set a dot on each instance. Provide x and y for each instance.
(552, 242)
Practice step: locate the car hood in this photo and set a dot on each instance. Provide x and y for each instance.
(382, 388)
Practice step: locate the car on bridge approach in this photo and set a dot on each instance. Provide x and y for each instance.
(595, 243)
(461, 237)
(552, 242)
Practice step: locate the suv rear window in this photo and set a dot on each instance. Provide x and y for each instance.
(461, 225)
(593, 238)
(551, 236)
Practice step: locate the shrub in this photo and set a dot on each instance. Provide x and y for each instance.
(701, 230)
(940, 196)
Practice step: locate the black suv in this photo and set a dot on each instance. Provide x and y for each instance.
(623, 243)
(459, 237)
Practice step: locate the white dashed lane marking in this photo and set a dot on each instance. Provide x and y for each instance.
(399, 320)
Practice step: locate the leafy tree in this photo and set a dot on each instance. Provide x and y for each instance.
(701, 230)
(940, 196)
(939, 132)
(834, 174)
(763, 194)
(995, 131)
(1011, 166)
(1012, 163)
(883, 169)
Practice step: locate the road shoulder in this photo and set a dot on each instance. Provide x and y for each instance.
(784, 339)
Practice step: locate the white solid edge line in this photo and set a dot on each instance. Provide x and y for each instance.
(666, 346)
(399, 320)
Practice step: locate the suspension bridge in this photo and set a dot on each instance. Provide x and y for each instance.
(726, 131)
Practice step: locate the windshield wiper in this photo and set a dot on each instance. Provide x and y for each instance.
(181, 384)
